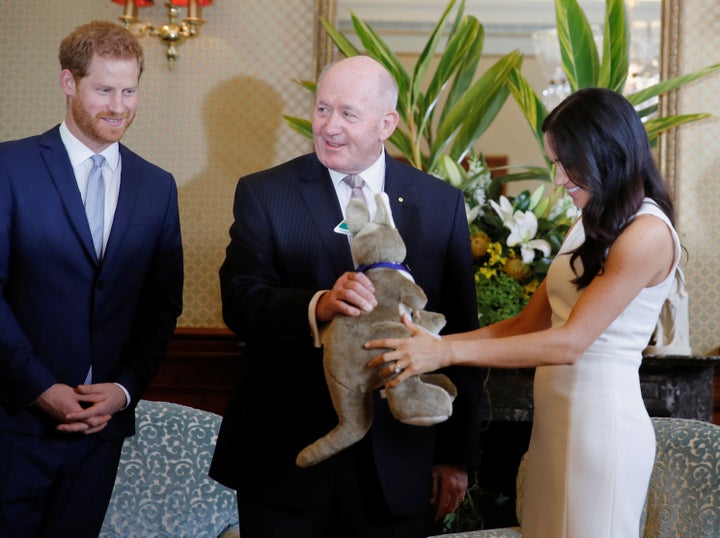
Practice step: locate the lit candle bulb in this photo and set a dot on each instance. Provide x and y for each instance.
(193, 10)
(129, 9)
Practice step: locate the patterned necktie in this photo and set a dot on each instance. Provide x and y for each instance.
(95, 203)
(357, 183)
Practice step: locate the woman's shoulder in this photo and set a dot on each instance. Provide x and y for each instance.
(650, 228)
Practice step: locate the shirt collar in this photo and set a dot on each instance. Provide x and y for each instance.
(374, 175)
(79, 152)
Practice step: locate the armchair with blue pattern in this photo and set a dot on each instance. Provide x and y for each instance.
(162, 489)
(683, 498)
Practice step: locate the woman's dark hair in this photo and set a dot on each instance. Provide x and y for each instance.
(598, 138)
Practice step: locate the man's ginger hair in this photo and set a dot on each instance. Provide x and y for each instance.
(103, 38)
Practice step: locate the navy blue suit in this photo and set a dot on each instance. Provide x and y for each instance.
(283, 250)
(61, 310)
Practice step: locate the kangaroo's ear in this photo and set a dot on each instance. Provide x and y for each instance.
(357, 215)
(383, 214)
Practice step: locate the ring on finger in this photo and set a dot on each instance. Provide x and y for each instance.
(397, 368)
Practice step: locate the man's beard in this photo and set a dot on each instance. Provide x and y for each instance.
(94, 128)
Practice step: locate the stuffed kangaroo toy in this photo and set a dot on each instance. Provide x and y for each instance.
(420, 400)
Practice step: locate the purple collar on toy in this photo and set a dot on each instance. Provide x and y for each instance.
(387, 265)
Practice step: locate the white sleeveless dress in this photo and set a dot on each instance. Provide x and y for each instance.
(592, 446)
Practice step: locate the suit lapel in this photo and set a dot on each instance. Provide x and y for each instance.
(129, 184)
(321, 204)
(60, 170)
(400, 189)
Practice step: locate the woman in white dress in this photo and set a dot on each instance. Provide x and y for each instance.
(592, 446)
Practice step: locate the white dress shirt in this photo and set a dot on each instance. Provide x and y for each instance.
(80, 159)
(81, 162)
(374, 177)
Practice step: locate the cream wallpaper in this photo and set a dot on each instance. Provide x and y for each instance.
(218, 115)
(215, 117)
(696, 164)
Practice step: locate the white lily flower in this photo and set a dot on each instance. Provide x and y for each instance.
(471, 214)
(504, 210)
(523, 228)
(527, 251)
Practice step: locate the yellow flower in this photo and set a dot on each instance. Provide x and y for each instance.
(516, 269)
(479, 243)
(531, 287)
(487, 272)
(495, 251)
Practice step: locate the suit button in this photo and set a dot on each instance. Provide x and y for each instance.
(100, 285)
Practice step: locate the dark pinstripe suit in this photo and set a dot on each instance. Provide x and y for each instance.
(282, 250)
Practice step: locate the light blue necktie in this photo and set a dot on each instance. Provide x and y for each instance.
(95, 203)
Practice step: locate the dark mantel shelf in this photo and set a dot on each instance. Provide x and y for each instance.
(201, 365)
(672, 386)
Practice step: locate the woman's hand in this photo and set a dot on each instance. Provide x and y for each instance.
(424, 352)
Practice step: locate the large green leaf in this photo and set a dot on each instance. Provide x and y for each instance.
(341, 42)
(402, 142)
(671, 84)
(616, 47)
(577, 45)
(528, 173)
(470, 109)
(307, 84)
(530, 104)
(459, 15)
(302, 126)
(471, 130)
(656, 126)
(458, 48)
(578, 53)
(466, 72)
(379, 50)
(426, 56)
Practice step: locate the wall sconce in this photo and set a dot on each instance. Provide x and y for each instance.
(172, 34)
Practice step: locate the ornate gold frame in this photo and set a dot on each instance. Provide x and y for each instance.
(324, 49)
(670, 67)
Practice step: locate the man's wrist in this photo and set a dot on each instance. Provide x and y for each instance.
(127, 396)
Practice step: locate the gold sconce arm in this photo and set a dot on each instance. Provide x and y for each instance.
(173, 33)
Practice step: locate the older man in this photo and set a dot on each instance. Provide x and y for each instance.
(287, 272)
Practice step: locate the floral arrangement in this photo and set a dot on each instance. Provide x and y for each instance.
(513, 239)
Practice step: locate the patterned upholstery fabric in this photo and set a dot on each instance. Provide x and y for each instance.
(162, 489)
(684, 494)
(508, 532)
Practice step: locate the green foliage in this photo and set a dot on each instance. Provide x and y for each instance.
(443, 111)
(583, 68)
(513, 239)
(446, 110)
(499, 297)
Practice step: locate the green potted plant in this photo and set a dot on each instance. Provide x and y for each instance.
(585, 67)
(442, 112)
(498, 295)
